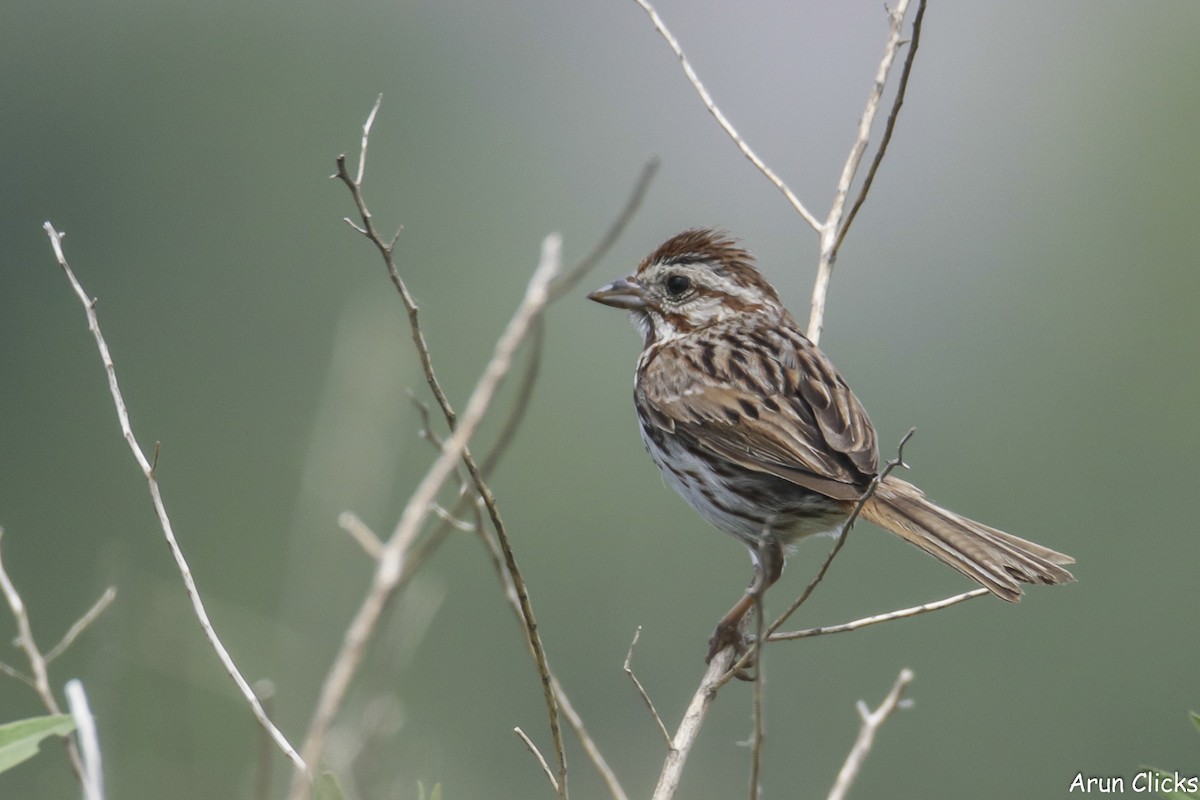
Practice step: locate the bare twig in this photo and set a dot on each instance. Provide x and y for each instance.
(871, 723)
(641, 690)
(540, 758)
(902, 613)
(148, 470)
(89, 742)
(725, 124)
(362, 533)
(37, 662)
(82, 624)
(689, 728)
(830, 238)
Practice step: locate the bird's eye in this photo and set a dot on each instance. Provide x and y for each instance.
(678, 284)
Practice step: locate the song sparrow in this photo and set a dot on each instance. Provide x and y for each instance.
(751, 423)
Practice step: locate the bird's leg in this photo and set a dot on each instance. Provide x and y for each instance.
(768, 566)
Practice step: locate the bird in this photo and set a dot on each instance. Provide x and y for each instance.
(750, 422)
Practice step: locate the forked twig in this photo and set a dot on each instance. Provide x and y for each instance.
(872, 721)
(148, 470)
(40, 680)
(641, 690)
(914, 42)
(831, 232)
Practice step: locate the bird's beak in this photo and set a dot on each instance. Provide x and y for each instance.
(621, 293)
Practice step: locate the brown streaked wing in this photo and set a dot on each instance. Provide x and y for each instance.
(791, 415)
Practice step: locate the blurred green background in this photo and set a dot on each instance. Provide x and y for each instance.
(1021, 286)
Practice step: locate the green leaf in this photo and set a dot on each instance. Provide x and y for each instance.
(1196, 720)
(328, 788)
(20, 740)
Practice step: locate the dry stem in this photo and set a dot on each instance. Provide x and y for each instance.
(148, 467)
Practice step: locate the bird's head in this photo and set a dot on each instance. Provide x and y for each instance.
(694, 279)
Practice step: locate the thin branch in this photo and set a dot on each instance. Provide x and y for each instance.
(914, 42)
(361, 533)
(725, 124)
(760, 720)
(148, 468)
(872, 721)
(82, 624)
(689, 728)
(829, 231)
(540, 758)
(641, 690)
(37, 662)
(89, 742)
(902, 613)
(387, 250)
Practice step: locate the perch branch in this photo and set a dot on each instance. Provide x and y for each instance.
(689, 728)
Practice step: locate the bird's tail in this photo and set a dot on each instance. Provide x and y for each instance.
(994, 559)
